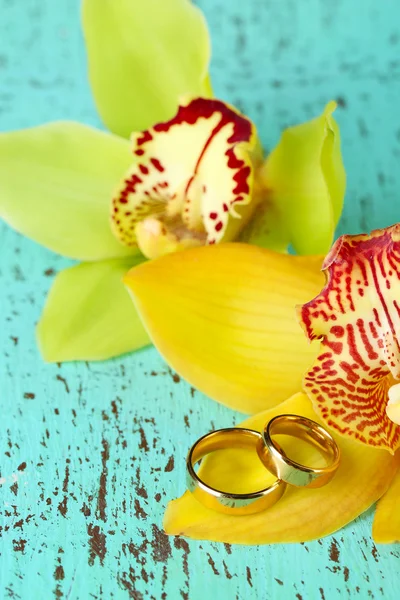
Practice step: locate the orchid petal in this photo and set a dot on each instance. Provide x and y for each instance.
(223, 317)
(305, 178)
(386, 526)
(88, 314)
(56, 182)
(302, 514)
(142, 57)
(197, 166)
(357, 317)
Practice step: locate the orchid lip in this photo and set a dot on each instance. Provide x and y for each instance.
(193, 173)
(356, 317)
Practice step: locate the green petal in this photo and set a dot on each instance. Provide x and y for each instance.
(89, 314)
(306, 180)
(142, 56)
(56, 185)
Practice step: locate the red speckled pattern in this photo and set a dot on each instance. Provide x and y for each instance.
(357, 319)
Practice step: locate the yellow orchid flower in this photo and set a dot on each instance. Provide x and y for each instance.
(227, 325)
(244, 299)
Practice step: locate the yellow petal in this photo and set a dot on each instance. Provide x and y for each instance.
(305, 178)
(301, 515)
(386, 526)
(224, 318)
(357, 319)
(193, 172)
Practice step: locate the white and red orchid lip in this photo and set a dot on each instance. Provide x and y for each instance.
(357, 319)
(194, 173)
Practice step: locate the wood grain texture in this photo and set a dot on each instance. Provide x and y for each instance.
(91, 453)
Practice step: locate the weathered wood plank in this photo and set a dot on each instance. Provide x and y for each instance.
(91, 453)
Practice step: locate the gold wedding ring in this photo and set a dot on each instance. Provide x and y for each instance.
(287, 469)
(222, 501)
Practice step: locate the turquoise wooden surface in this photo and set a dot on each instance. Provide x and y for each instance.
(91, 453)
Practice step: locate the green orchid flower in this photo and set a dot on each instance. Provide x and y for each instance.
(193, 175)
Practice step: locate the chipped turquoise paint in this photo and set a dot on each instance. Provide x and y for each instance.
(91, 453)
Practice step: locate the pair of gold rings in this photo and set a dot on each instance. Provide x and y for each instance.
(272, 456)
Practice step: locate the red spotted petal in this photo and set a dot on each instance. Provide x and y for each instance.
(357, 319)
(194, 171)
